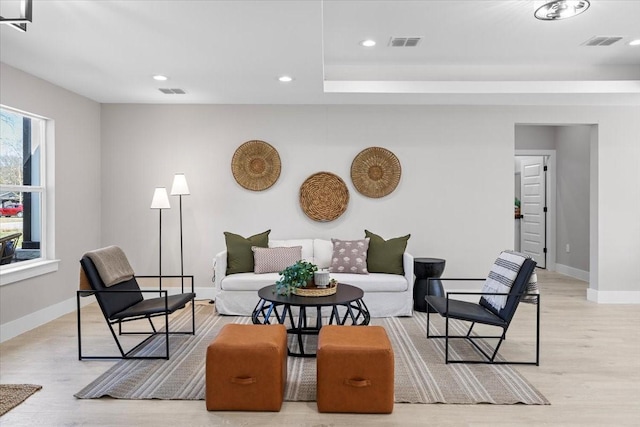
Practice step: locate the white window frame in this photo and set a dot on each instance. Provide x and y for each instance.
(46, 263)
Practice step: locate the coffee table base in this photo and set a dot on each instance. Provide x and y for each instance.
(355, 311)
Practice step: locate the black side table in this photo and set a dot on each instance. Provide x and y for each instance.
(424, 268)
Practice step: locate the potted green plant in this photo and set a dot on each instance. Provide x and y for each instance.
(297, 275)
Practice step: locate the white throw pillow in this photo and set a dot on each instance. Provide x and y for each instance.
(322, 253)
(274, 260)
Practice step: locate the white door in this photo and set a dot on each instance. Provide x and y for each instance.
(532, 207)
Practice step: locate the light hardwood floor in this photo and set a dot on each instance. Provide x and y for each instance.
(589, 371)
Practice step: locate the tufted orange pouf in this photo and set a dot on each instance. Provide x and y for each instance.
(246, 368)
(355, 370)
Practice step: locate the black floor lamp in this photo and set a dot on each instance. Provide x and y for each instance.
(180, 188)
(160, 201)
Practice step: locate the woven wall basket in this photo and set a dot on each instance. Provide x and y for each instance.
(375, 172)
(256, 165)
(324, 196)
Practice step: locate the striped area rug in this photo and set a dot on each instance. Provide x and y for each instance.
(421, 376)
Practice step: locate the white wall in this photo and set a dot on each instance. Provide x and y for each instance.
(143, 146)
(77, 195)
(455, 196)
(572, 197)
(535, 137)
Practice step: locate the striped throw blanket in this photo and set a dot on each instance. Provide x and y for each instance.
(501, 278)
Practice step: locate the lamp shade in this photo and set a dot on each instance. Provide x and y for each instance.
(180, 186)
(160, 199)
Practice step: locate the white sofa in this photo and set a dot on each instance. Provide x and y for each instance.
(385, 295)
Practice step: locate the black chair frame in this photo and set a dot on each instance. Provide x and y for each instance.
(163, 310)
(501, 323)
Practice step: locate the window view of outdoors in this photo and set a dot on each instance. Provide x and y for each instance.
(21, 191)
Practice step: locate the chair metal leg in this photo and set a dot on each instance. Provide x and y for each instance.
(538, 331)
(115, 337)
(79, 326)
(166, 334)
(127, 354)
(487, 358)
(193, 317)
(470, 329)
(153, 328)
(446, 338)
(428, 325)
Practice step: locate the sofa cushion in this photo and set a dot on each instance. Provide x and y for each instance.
(273, 260)
(385, 256)
(239, 253)
(307, 246)
(248, 282)
(349, 256)
(374, 282)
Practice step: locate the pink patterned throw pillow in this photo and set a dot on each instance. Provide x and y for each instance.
(349, 256)
(274, 260)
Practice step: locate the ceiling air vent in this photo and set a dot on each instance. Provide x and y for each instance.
(404, 41)
(172, 91)
(602, 41)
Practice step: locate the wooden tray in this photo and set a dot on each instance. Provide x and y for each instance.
(315, 292)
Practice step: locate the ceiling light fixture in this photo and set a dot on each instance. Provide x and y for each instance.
(635, 42)
(20, 23)
(561, 9)
(160, 78)
(368, 43)
(285, 79)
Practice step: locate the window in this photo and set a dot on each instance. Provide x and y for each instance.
(23, 195)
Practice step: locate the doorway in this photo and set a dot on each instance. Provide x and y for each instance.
(531, 207)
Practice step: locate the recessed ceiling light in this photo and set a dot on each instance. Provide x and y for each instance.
(285, 79)
(368, 43)
(635, 42)
(159, 77)
(561, 9)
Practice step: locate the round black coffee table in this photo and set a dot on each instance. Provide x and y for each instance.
(346, 304)
(424, 268)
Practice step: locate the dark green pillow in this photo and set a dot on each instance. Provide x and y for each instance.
(239, 253)
(385, 256)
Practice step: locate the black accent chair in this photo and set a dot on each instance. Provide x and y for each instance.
(124, 302)
(8, 246)
(484, 313)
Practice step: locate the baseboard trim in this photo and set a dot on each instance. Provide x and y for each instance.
(572, 272)
(31, 321)
(613, 297)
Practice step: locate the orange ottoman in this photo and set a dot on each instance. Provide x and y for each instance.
(355, 370)
(246, 368)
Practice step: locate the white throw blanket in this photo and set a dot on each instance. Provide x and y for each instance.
(501, 278)
(112, 265)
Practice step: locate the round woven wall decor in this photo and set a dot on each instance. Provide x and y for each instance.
(324, 196)
(375, 172)
(256, 165)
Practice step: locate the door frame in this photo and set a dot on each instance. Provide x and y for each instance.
(550, 184)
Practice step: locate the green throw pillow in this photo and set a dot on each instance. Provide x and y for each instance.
(239, 253)
(385, 256)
